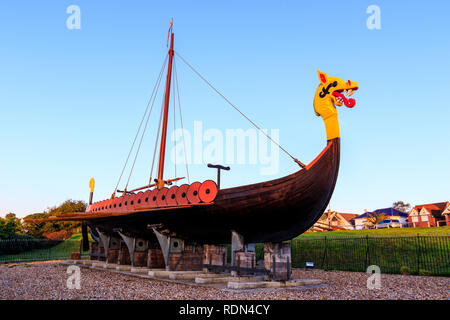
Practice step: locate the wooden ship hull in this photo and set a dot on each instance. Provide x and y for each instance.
(270, 211)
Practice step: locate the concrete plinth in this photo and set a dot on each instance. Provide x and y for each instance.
(166, 274)
(98, 265)
(123, 268)
(87, 262)
(192, 276)
(203, 280)
(273, 284)
(144, 270)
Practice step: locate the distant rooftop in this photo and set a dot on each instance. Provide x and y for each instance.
(389, 212)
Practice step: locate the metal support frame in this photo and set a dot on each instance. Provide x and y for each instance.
(237, 243)
(104, 238)
(131, 245)
(164, 243)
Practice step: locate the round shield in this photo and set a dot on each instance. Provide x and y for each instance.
(139, 200)
(132, 201)
(120, 204)
(207, 191)
(161, 198)
(146, 198)
(181, 195)
(103, 206)
(126, 203)
(106, 205)
(171, 196)
(97, 206)
(115, 204)
(192, 193)
(152, 198)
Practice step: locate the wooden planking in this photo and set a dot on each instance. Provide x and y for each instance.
(275, 210)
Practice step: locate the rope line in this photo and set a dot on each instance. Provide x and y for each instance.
(156, 142)
(174, 129)
(139, 129)
(181, 120)
(143, 131)
(231, 104)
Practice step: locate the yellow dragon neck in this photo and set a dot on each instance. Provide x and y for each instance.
(330, 117)
(330, 93)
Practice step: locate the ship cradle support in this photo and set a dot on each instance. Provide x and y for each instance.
(174, 254)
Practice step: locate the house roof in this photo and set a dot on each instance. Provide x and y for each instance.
(434, 208)
(348, 216)
(389, 212)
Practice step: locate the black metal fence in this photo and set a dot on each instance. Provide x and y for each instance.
(420, 254)
(21, 250)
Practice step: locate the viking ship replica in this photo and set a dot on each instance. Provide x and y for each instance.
(187, 227)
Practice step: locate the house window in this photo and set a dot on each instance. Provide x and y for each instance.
(415, 219)
(424, 218)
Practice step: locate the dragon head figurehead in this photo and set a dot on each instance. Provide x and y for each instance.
(330, 93)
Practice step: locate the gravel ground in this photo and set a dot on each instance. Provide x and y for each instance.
(47, 280)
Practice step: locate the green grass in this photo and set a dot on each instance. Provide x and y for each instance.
(421, 250)
(61, 250)
(378, 232)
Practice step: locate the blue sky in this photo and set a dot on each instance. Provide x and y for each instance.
(71, 100)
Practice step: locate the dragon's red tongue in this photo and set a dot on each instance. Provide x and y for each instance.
(348, 102)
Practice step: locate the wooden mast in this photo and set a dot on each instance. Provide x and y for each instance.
(160, 182)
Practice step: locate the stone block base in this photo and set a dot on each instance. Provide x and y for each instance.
(215, 254)
(277, 259)
(190, 258)
(124, 255)
(113, 255)
(75, 256)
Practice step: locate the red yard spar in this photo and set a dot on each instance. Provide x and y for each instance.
(186, 227)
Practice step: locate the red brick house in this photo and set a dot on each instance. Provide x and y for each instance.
(430, 215)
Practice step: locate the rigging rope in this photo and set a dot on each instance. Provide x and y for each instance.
(139, 129)
(143, 132)
(156, 142)
(181, 119)
(231, 104)
(174, 129)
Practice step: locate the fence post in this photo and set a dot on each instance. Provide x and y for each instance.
(366, 263)
(418, 254)
(324, 254)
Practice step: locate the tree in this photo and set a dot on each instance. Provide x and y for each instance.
(39, 229)
(400, 205)
(10, 226)
(374, 218)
